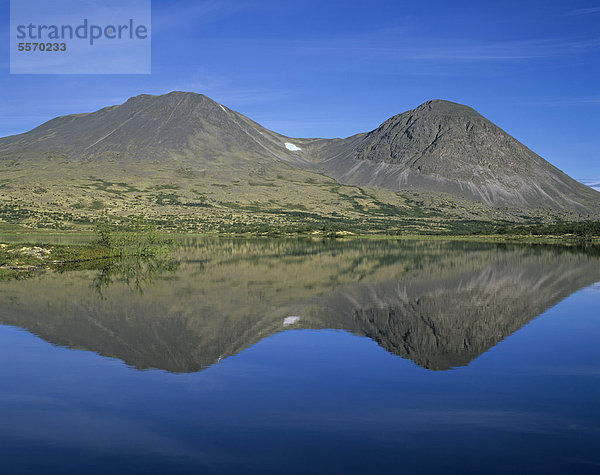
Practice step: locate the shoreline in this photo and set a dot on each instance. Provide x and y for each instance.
(31, 253)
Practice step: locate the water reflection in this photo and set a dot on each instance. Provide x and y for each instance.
(136, 273)
(440, 304)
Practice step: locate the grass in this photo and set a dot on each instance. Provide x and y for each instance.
(224, 201)
(296, 203)
(19, 261)
(254, 218)
(115, 242)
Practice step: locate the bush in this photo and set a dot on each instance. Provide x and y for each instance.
(137, 238)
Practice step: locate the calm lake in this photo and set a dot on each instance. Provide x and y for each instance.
(285, 356)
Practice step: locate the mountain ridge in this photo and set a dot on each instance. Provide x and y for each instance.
(443, 156)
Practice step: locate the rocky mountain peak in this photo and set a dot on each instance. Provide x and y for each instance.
(440, 107)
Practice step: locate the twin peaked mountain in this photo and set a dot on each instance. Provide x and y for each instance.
(441, 149)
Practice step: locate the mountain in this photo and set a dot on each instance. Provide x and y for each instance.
(197, 164)
(439, 304)
(177, 126)
(446, 147)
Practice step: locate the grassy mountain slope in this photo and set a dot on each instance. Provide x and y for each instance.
(193, 164)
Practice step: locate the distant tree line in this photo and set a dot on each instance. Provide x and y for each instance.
(585, 230)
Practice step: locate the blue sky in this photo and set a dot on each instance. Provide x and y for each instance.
(334, 68)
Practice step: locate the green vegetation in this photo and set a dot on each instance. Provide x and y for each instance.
(110, 187)
(585, 230)
(302, 204)
(260, 200)
(133, 249)
(97, 205)
(167, 199)
(137, 238)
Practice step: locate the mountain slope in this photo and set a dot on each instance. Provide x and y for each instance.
(445, 147)
(177, 125)
(195, 164)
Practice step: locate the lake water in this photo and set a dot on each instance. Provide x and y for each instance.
(285, 356)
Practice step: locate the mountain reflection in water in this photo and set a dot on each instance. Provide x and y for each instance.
(440, 304)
